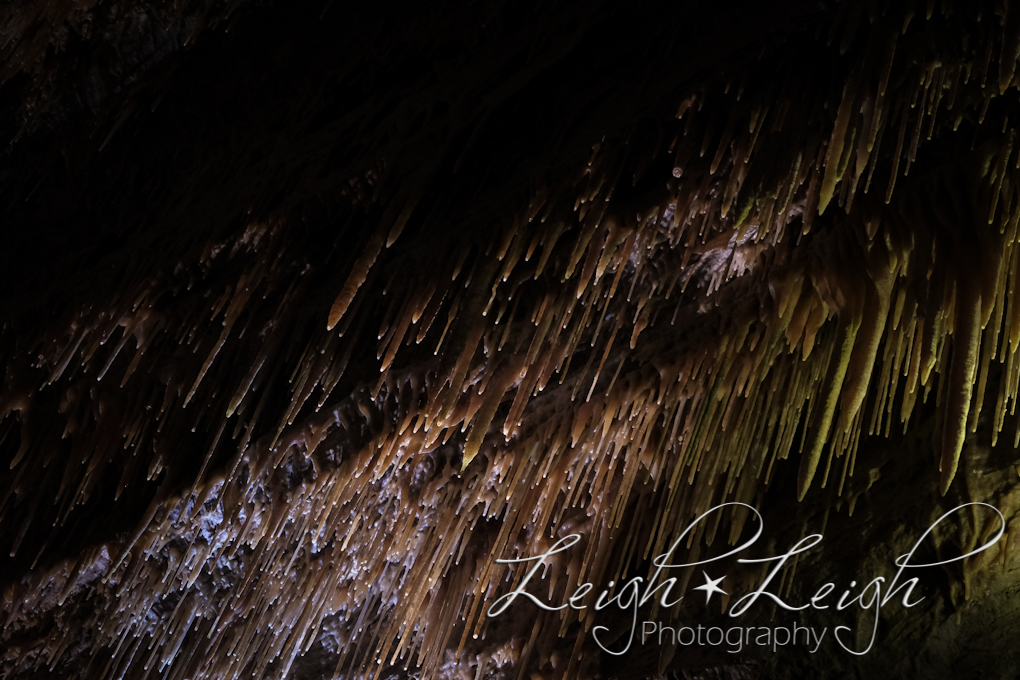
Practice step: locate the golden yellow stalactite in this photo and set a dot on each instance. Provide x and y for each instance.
(1010, 46)
(847, 333)
(890, 379)
(987, 354)
(966, 341)
(869, 335)
(836, 141)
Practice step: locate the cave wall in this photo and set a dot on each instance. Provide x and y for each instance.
(315, 315)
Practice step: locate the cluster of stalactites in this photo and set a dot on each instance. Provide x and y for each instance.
(774, 314)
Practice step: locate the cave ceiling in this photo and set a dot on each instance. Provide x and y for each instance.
(315, 314)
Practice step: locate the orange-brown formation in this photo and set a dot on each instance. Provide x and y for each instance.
(629, 348)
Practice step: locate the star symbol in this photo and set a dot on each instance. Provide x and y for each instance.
(711, 586)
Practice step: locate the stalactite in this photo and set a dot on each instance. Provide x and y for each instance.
(800, 331)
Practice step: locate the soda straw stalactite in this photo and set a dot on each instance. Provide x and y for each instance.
(331, 443)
